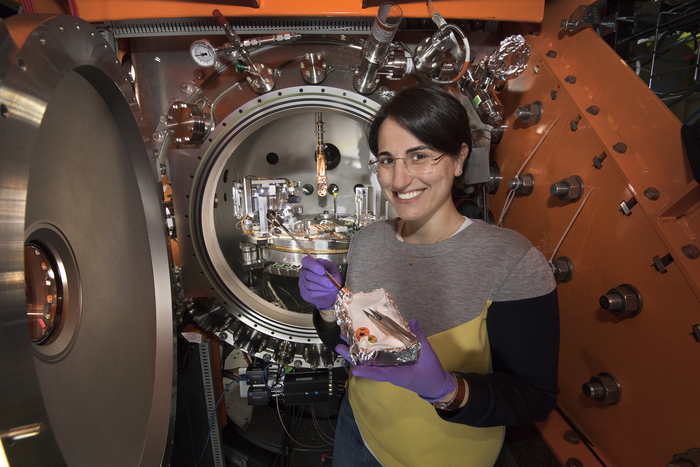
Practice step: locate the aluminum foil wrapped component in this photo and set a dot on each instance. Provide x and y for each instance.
(375, 331)
(510, 59)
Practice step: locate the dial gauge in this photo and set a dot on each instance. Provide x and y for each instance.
(203, 53)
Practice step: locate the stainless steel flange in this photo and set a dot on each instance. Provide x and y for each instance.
(77, 182)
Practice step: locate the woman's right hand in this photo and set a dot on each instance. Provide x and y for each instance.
(315, 287)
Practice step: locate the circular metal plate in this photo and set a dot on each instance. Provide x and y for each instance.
(218, 155)
(75, 178)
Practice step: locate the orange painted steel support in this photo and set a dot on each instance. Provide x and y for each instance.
(607, 112)
(113, 10)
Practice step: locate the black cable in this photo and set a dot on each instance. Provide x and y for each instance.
(662, 49)
(187, 413)
(683, 96)
(661, 25)
(227, 350)
(690, 67)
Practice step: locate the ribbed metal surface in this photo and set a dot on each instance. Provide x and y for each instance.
(210, 400)
(200, 26)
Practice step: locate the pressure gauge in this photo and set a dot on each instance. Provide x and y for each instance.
(203, 53)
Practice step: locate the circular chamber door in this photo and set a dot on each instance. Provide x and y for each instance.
(240, 271)
(86, 325)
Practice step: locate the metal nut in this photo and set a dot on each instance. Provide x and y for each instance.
(523, 184)
(569, 188)
(603, 388)
(624, 301)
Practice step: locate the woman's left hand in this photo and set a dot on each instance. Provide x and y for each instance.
(426, 376)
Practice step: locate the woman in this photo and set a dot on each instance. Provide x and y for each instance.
(484, 295)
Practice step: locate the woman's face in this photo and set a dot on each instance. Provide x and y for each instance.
(415, 197)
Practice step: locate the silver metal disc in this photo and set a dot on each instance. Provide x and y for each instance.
(78, 181)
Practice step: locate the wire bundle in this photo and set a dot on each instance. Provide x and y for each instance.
(684, 25)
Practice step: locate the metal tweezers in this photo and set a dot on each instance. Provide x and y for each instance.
(390, 327)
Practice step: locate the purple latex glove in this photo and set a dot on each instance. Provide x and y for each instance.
(343, 350)
(315, 287)
(426, 377)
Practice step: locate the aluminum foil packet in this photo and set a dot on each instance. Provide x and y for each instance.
(376, 333)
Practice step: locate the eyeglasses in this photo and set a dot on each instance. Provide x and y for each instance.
(415, 163)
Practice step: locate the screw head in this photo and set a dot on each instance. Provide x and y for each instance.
(552, 54)
(620, 148)
(571, 79)
(652, 193)
(691, 251)
(572, 437)
(593, 110)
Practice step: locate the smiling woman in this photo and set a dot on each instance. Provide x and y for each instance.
(420, 128)
(489, 343)
(422, 200)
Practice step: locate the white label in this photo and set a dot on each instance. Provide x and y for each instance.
(192, 337)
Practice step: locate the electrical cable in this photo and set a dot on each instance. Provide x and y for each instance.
(285, 429)
(264, 375)
(662, 49)
(683, 96)
(211, 421)
(401, 44)
(189, 424)
(318, 429)
(689, 119)
(671, 82)
(583, 203)
(292, 296)
(661, 25)
(511, 193)
(689, 67)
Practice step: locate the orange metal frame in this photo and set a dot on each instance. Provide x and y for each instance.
(655, 355)
(113, 10)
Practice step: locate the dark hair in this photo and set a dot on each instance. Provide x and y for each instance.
(431, 114)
